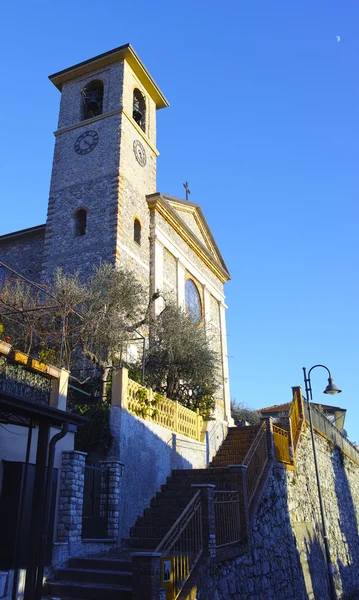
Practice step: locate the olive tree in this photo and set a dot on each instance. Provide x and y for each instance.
(180, 362)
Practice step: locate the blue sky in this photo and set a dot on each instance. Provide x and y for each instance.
(263, 123)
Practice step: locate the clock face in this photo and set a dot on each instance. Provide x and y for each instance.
(140, 153)
(86, 142)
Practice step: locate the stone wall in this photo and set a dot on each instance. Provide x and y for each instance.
(287, 561)
(23, 252)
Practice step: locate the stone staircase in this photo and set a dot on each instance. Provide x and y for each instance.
(94, 578)
(99, 578)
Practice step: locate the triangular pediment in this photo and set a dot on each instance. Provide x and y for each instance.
(192, 219)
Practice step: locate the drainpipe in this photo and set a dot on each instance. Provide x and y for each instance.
(45, 522)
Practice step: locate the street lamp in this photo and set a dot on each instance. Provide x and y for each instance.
(330, 389)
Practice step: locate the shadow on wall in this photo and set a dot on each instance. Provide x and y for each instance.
(149, 454)
(348, 560)
(282, 559)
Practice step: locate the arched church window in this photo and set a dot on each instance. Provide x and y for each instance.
(193, 302)
(92, 96)
(139, 109)
(137, 231)
(80, 222)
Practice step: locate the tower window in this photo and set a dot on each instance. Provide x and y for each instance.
(137, 231)
(139, 109)
(80, 222)
(193, 302)
(92, 96)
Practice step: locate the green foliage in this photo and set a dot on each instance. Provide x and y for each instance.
(180, 363)
(95, 435)
(146, 407)
(241, 412)
(93, 318)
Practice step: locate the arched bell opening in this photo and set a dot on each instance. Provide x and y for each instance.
(92, 97)
(139, 109)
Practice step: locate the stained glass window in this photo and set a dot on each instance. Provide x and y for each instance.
(193, 301)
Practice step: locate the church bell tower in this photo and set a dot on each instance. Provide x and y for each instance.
(104, 165)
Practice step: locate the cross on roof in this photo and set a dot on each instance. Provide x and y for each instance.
(188, 191)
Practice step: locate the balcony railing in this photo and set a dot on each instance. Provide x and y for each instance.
(281, 444)
(143, 402)
(324, 426)
(17, 380)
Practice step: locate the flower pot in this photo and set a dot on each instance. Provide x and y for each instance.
(36, 365)
(20, 357)
(53, 371)
(5, 348)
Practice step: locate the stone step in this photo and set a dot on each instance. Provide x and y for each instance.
(100, 563)
(90, 591)
(210, 477)
(97, 576)
(148, 543)
(150, 531)
(192, 472)
(156, 519)
(230, 459)
(187, 493)
(171, 512)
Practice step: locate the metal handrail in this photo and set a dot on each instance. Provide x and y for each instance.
(254, 463)
(227, 517)
(254, 444)
(184, 542)
(162, 546)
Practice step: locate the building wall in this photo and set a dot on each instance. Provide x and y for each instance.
(13, 442)
(108, 181)
(149, 453)
(287, 557)
(178, 257)
(24, 253)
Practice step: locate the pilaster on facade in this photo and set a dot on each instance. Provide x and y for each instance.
(226, 391)
(157, 273)
(181, 276)
(207, 307)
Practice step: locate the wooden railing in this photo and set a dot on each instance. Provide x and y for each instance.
(143, 402)
(184, 542)
(227, 518)
(281, 444)
(256, 460)
(296, 416)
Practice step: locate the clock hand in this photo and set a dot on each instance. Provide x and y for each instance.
(86, 142)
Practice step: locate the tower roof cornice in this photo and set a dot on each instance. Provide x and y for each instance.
(125, 52)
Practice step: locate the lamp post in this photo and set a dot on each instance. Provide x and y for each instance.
(330, 389)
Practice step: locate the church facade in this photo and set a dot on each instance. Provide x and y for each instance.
(104, 206)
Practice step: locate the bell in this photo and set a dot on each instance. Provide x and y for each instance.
(92, 104)
(137, 115)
